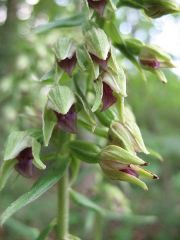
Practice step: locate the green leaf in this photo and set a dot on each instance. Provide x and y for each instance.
(73, 21)
(85, 202)
(21, 230)
(85, 151)
(60, 99)
(5, 171)
(36, 148)
(17, 141)
(46, 231)
(49, 122)
(98, 87)
(50, 177)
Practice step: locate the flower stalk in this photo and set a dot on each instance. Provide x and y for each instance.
(63, 208)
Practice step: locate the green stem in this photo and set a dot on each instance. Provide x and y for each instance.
(121, 108)
(98, 227)
(63, 208)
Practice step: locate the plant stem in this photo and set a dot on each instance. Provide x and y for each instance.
(121, 108)
(98, 227)
(63, 208)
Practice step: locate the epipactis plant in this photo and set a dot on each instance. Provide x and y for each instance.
(87, 91)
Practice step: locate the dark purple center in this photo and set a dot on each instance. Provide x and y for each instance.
(98, 6)
(108, 98)
(152, 63)
(100, 62)
(67, 122)
(68, 64)
(130, 171)
(25, 166)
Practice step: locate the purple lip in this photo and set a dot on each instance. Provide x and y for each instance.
(108, 98)
(67, 122)
(25, 166)
(129, 171)
(100, 62)
(68, 64)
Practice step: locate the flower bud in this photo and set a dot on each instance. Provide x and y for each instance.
(156, 9)
(133, 129)
(154, 58)
(115, 165)
(121, 172)
(119, 135)
(61, 100)
(153, 8)
(65, 54)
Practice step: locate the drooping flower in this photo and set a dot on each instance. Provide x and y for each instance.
(67, 122)
(67, 64)
(24, 166)
(65, 52)
(119, 164)
(97, 5)
(152, 57)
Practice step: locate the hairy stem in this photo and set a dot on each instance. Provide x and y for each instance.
(63, 208)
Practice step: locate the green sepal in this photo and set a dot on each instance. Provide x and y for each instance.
(98, 87)
(97, 42)
(36, 148)
(65, 48)
(144, 173)
(17, 141)
(5, 171)
(130, 123)
(86, 64)
(49, 122)
(60, 99)
(120, 136)
(118, 175)
(117, 154)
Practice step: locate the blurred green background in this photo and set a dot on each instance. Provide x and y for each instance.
(24, 58)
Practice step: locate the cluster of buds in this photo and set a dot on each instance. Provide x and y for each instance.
(153, 8)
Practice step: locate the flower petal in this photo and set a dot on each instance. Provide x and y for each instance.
(108, 98)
